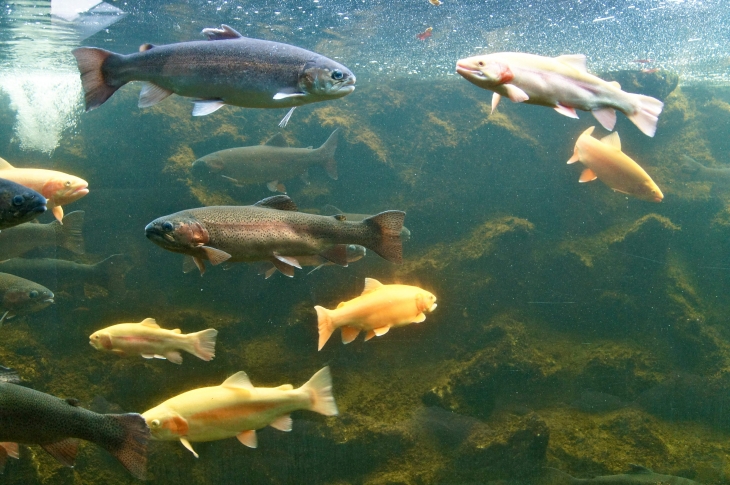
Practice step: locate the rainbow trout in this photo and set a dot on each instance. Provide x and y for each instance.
(34, 418)
(268, 163)
(272, 230)
(18, 204)
(20, 239)
(226, 69)
(19, 296)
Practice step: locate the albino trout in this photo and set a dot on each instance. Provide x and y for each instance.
(226, 69)
(35, 418)
(272, 230)
(562, 83)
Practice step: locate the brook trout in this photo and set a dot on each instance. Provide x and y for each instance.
(18, 204)
(19, 296)
(272, 230)
(269, 163)
(237, 408)
(562, 83)
(18, 240)
(35, 418)
(226, 69)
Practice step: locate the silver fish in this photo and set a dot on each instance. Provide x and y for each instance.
(637, 475)
(273, 230)
(269, 163)
(20, 239)
(19, 296)
(226, 69)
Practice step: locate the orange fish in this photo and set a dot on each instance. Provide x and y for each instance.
(378, 309)
(425, 34)
(237, 408)
(605, 160)
(58, 187)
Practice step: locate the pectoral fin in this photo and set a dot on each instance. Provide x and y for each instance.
(515, 94)
(496, 98)
(189, 447)
(215, 256)
(288, 95)
(420, 318)
(248, 438)
(58, 213)
(285, 120)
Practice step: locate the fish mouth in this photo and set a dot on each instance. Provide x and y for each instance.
(80, 192)
(467, 72)
(49, 300)
(433, 307)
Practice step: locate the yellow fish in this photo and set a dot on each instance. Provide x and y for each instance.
(57, 187)
(237, 408)
(149, 340)
(610, 165)
(378, 309)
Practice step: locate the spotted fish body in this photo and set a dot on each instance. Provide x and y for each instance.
(272, 230)
(32, 417)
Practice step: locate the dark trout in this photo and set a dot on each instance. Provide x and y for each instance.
(226, 69)
(18, 204)
(272, 230)
(637, 475)
(35, 418)
(19, 296)
(20, 239)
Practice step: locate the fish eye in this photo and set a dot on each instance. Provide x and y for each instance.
(167, 226)
(155, 423)
(337, 75)
(18, 200)
(68, 183)
(33, 294)
(351, 247)
(480, 63)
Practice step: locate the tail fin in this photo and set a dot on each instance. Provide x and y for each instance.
(320, 387)
(647, 114)
(97, 89)
(328, 155)
(111, 273)
(387, 227)
(127, 440)
(203, 344)
(71, 236)
(324, 325)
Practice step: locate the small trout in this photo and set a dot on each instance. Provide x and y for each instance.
(18, 240)
(19, 296)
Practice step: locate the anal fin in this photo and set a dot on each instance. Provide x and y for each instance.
(64, 451)
(349, 334)
(587, 175)
(248, 438)
(282, 423)
(151, 94)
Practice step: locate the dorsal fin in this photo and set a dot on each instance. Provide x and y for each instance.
(371, 284)
(285, 387)
(238, 380)
(146, 47)
(4, 164)
(278, 202)
(277, 141)
(149, 322)
(576, 61)
(176, 330)
(223, 33)
(615, 84)
(612, 140)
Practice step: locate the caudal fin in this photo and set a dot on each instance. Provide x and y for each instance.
(386, 229)
(328, 155)
(324, 325)
(71, 236)
(647, 113)
(110, 273)
(320, 387)
(97, 88)
(203, 344)
(126, 439)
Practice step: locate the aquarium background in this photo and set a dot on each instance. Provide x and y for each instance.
(577, 328)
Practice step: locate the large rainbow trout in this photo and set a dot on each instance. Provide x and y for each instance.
(273, 230)
(35, 418)
(226, 69)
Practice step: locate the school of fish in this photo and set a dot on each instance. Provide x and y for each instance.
(230, 69)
